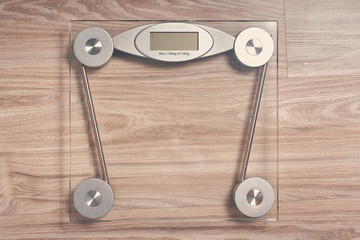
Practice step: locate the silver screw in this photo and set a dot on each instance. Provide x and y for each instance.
(254, 197)
(93, 198)
(93, 46)
(254, 47)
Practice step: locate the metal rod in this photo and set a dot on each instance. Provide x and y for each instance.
(94, 125)
(253, 123)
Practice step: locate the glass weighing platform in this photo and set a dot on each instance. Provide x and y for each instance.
(173, 120)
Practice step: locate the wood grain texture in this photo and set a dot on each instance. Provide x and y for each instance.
(318, 117)
(323, 38)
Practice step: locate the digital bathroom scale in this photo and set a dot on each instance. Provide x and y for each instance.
(173, 120)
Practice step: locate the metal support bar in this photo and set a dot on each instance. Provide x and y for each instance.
(94, 125)
(253, 123)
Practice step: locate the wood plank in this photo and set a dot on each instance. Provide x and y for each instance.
(33, 74)
(319, 151)
(323, 38)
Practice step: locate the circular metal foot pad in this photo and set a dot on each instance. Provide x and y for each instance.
(93, 198)
(254, 197)
(254, 47)
(93, 47)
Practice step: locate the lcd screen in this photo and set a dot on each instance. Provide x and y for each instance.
(161, 41)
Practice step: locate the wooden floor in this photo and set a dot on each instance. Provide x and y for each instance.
(319, 119)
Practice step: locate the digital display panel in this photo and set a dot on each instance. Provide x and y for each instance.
(161, 41)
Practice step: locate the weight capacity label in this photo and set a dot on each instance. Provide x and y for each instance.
(174, 53)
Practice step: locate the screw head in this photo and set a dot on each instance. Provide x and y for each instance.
(254, 47)
(93, 198)
(254, 197)
(93, 46)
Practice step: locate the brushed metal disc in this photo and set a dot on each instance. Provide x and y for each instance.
(93, 198)
(254, 197)
(93, 47)
(254, 47)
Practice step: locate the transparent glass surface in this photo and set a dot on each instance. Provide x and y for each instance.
(174, 134)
